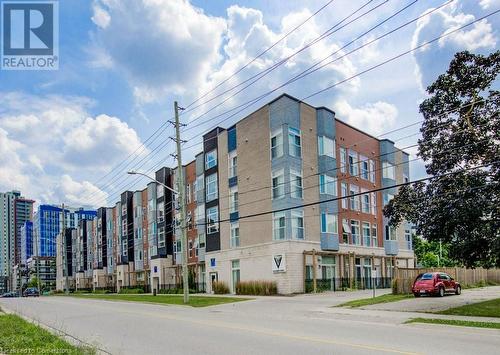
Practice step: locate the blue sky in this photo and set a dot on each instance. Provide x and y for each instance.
(123, 63)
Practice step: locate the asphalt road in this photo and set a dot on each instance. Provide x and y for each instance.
(276, 325)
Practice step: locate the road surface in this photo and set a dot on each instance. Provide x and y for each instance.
(305, 324)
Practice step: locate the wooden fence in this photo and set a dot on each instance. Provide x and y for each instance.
(467, 277)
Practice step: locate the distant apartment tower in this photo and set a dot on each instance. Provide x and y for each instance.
(26, 241)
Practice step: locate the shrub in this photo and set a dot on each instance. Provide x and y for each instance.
(131, 290)
(220, 287)
(394, 286)
(256, 288)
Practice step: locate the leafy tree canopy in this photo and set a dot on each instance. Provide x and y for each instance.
(461, 130)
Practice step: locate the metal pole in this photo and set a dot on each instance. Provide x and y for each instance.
(181, 189)
(37, 264)
(65, 251)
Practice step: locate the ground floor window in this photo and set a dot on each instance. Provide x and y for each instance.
(235, 268)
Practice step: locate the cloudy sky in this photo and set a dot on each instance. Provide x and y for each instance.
(70, 135)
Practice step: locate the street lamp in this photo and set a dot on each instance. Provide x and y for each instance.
(184, 235)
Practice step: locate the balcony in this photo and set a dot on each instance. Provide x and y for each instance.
(391, 247)
(329, 242)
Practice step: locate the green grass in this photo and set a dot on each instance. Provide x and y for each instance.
(194, 301)
(18, 336)
(489, 308)
(376, 300)
(461, 323)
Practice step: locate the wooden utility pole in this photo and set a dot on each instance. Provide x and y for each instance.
(181, 199)
(65, 255)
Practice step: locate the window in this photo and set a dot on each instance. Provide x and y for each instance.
(233, 166)
(279, 226)
(235, 235)
(408, 239)
(353, 190)
(159, 193)
(388, 171)
(212, 220)
(390, 233)
(297, 225)
(326, 146)
(343, 191)
(211, 159)
(373, 203)
(278, 184)
(346, 230)
(364, 167)
(353, 163)
(294, 143)
(199, 213)
(161, 237)
(365, 203)
(277, 145)
(387, 198)
(372, 170)
(366, 234)
(355, 233)
(188, 193)
(343, 160)
(329, 223)
(374, 235)
(295, 184)
(233, 200)
(327, 185)
(211, 187)
(161, 212)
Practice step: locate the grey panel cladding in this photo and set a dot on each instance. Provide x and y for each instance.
(387, 151)
(210, 142)
(200, 164)
(325, 121)
(406, 164)
(284, 111)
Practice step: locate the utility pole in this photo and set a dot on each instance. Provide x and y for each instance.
(181, 189)
(37, 263)
(64, 250)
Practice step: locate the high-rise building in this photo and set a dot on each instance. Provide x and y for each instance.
(26, 241)
(23, 213)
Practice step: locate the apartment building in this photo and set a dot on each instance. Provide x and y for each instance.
(289, 194)
(316, 172)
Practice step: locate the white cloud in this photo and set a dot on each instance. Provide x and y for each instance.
(101, 17)
(486, 4)
(479, 36)
(373, 118)
(77, 193)
(44, 137)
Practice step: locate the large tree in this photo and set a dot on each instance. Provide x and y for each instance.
(460, 131)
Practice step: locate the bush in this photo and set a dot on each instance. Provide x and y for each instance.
(256, 288)
(394, 286)
(220, 288)
(131, 290)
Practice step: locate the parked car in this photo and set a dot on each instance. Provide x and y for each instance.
(9, 294)
(31, 292)
(435, 283)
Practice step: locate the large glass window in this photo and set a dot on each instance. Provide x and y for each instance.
(212, 219)
(294, 142)
(235, 235)
(346, 230)
(233, 200)
(161, 237)
(373, 201)
(390, 233)
(233, 165)
(296, 184)
(277, 145)
(366, 234)
(161, 212)
(211, 159)
(355, 232)
(344, 194)
(365, 202)
(388, 171)
(212, 189)
(278, 179)
(329, 223)
(408, 239)
(279, 226)
(353, 191)
(327, 185)
(364, 165)
(353, 163)
(297, 224)
(326, 146)
(374, 235)
(372, 170)
(343, 160)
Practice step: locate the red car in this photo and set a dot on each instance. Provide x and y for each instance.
(435, 283)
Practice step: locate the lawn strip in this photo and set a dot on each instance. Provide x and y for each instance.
(455, 322)
(374, 300)
(489, 308)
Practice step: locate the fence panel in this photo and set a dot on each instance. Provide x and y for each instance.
(466, 277)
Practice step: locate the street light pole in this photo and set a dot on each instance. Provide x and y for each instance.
(181, 189)
(65, 251)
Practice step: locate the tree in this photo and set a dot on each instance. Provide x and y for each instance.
(431, 254)
(33, 282)
(461, 130)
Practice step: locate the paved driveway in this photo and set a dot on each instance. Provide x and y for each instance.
(432, 304)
